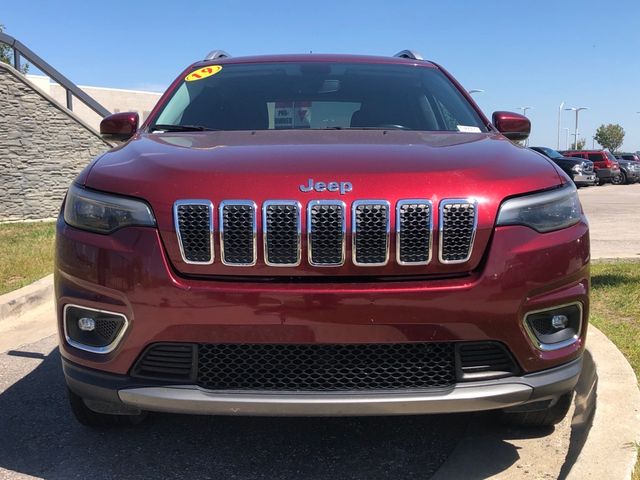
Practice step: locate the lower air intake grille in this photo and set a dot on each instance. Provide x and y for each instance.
(326, 367)
(326, 224)
(238, 233)
(484, 359)
(194, 227)
(172, 361)
(457, 230)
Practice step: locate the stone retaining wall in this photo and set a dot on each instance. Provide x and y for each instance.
(43, 147)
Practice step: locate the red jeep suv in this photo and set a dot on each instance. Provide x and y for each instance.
(320, 235)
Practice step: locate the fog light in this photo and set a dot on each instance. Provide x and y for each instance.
(87, 324)
(557, 321)
(93, 330)
(555, 327)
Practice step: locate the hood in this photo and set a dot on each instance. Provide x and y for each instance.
(268, 165)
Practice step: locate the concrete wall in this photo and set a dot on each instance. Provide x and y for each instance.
(113, 99)
(43, 147)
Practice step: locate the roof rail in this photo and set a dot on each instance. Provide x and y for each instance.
(412, 54)
(21, 51)
(213, 54)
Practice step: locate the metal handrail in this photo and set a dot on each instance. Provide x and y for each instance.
(71, 89)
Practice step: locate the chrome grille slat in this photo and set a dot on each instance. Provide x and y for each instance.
(193, 221)
(326, 226)
(281, 225)
(238, 233)
(458, 224)
(414, 231)
(370, 232)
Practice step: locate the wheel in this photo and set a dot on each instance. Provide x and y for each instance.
(619, 179)
(597, 182)
(91, 418)
(547, 417)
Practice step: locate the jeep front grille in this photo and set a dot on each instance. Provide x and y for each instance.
(325, 234)
(194, 227)
(370, 233)
(326, 223)
(458, 220)
(414, 220)
(281, 230)
(238, 232)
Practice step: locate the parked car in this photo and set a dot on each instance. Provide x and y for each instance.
(629, 156)
(629, 170)
(320, 235)
(579, 170)
(604, 163)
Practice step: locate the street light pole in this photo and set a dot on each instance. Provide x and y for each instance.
(577, 110)
(524, 112)
(559, 120)
(566, 139)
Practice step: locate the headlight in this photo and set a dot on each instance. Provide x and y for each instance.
(544, 212)
(104, 213)
(577, 168)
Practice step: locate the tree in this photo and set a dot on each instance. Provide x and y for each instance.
(610, 136)
(580, 145)
(6, 55)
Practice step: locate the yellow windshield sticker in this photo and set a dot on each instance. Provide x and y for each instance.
(203, 73)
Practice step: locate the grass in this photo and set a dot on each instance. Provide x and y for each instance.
(615, 306)
(26, 253)
(615, 310)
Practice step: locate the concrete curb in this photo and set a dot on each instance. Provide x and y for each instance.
(19, 301)
(610, 448)
(596, 442)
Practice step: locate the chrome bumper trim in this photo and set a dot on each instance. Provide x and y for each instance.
(464, 397)
(586, 178)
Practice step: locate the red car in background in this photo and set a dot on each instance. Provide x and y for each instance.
(320, 235)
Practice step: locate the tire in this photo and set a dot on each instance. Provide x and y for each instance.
(90, 418)
(620, 179)
(541, 418)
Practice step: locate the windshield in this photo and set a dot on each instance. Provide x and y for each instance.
(317, 95)
(550, 152)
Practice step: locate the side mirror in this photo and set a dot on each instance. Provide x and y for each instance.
(512, 125)
(119, 126)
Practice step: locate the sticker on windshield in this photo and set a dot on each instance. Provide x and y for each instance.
(466, 129)
(203, 73)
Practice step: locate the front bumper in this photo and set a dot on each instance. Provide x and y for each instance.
(606, 174)
(545, 386)
(584, 179)
(128, 273)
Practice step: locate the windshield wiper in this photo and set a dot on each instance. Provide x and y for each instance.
(386, 127)
(180, 128)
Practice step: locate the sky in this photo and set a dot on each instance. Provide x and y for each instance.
(535, 53)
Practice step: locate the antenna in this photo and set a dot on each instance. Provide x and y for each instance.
(213, 54)
(411, 54)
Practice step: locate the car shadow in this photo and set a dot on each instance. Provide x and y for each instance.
(39, 437)
(610, 280)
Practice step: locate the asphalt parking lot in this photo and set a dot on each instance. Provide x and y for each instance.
(40, 439)
(614, 219)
